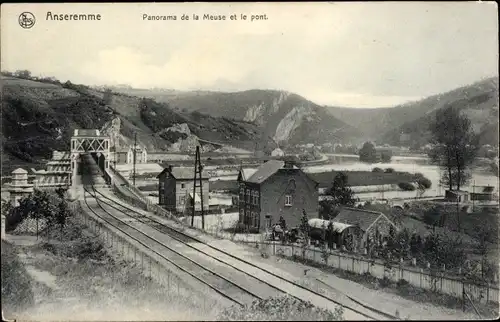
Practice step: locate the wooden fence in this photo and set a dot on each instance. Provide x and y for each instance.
(427, 279)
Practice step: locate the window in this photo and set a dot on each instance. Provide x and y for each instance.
(242, 214)
(182, 200)
(257, 198)
(288, 200)
(182, 185)
(242, 193)
(256, 220)
(254, 198)
(245, 218)
(248, 196)
(162, 199)
(268, 221)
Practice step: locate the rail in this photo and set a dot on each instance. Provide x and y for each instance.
(158, 253)
(184, 235)
(140, 199)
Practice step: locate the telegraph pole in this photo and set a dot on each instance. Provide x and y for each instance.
(198, 169)
(473, 194)
(135, 148)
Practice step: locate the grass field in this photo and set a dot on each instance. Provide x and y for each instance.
(74, 275)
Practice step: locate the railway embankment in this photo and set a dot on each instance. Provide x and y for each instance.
(152, 263)
(77, 274)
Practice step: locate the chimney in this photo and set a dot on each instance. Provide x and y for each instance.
(170, 168)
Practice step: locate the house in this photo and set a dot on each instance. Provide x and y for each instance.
(373, 224)
(126, 155)
(120, 156)
(277, 188)
(175, 189)
(483, 193)
(141, 155)
(456, 196)
(277, 153)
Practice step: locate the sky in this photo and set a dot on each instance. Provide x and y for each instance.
(344, 54)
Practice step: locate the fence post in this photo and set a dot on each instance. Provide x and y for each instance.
(463, 295)
(352, 264)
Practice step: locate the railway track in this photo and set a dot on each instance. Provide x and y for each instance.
(213, 280)
(237, 263)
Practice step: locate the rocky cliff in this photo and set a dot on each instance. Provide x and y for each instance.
(282, 117)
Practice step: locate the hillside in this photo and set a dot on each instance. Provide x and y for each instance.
(479, 101)
(39, 117)
(284, 117)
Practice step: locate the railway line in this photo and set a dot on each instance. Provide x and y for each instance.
(198, 269)
(234, 278)
(279, 283)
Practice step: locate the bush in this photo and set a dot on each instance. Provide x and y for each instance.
(424, 182)
(282, 308)
(389, 170)
(13, 218)
(378, 170)
(384, 282)
(406, 186)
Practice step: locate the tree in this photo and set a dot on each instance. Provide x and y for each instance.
(368, 153)
(455, 145)
(304, 229)
(61, 216)
(23, 74)
(37, 206)
(339, 194)
(61, 192)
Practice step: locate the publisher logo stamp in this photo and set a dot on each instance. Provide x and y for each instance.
(26, 20)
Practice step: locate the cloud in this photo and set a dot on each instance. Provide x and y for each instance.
(335, 53)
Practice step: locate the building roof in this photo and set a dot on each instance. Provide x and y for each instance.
(184, 173)
(458, 192)
(86, 132)
(244, 174)
(484, 189)
(360, 217)
(337, 226)
(19, 171)
(266, 170)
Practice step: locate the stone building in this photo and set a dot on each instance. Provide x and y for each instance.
(276, 189)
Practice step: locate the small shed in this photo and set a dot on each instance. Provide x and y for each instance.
(374, 224)
(482, 193)
(334, 232)
(456, 196)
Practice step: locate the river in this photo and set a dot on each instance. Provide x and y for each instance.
(404, 164)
